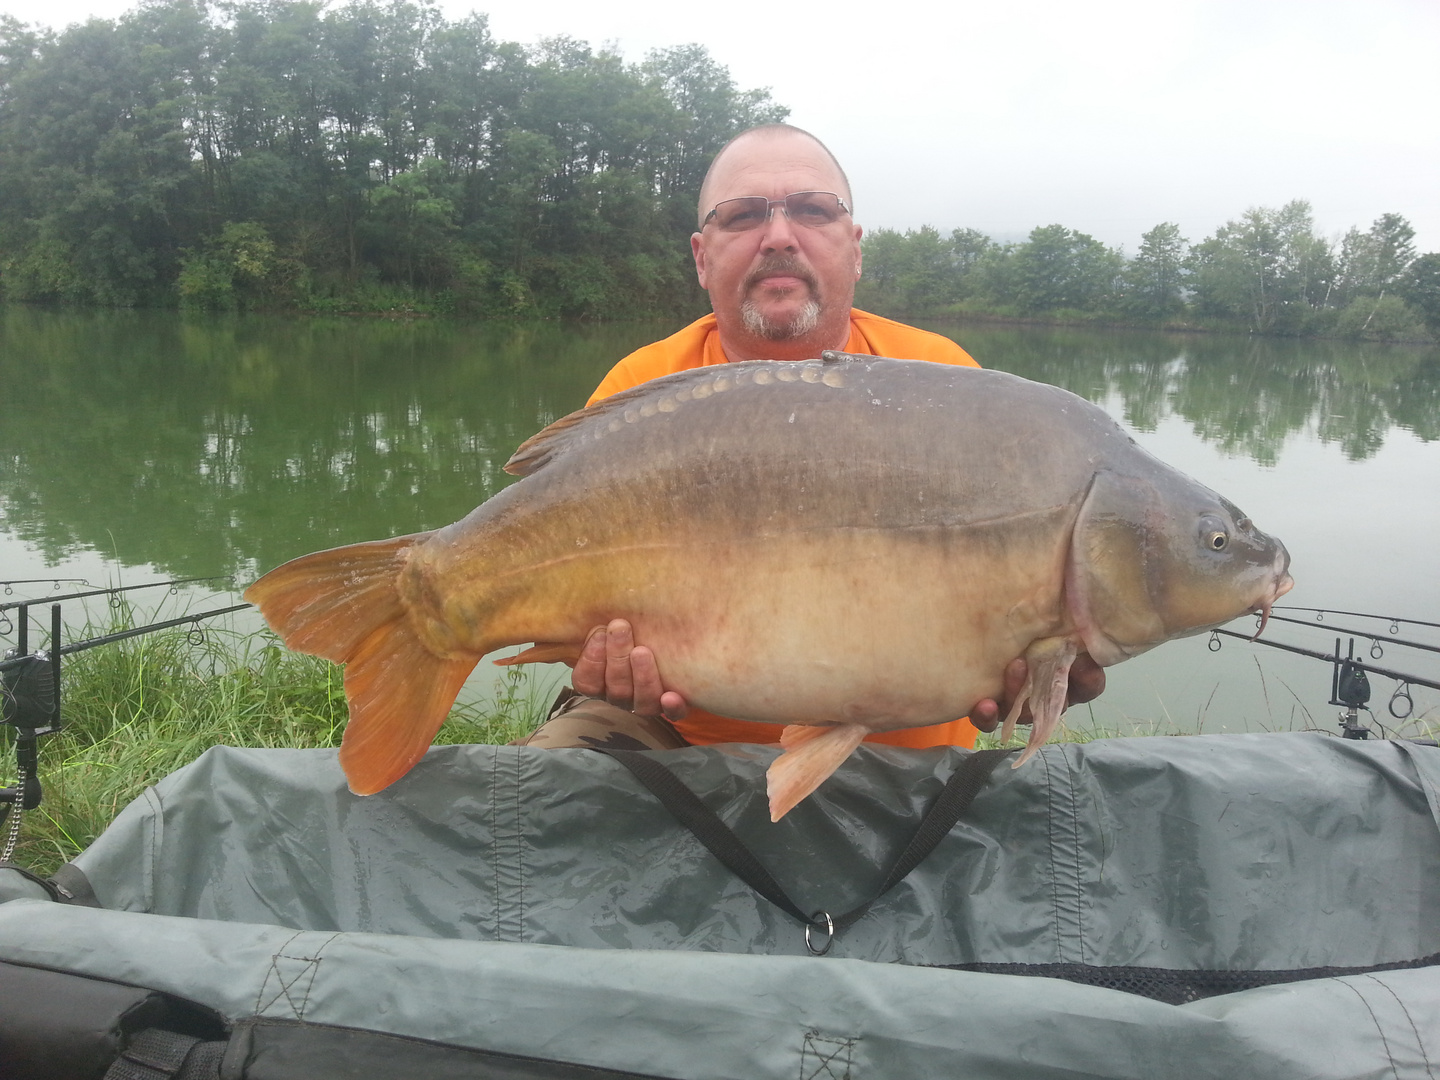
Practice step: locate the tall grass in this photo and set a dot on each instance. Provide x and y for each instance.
(136, 710)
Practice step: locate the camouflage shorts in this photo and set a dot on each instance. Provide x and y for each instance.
(579, 721)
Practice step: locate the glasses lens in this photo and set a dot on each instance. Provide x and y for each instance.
(738, 215)
(813, 208)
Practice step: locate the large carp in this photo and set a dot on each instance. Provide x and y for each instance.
(844, 545)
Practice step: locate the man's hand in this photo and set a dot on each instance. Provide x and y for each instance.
(613, 668)
(1087, 682)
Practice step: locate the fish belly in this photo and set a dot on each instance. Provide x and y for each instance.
(879, 627)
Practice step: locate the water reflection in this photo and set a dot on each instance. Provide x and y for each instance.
(1245, 395)
(216, 446)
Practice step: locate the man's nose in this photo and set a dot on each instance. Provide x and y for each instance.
(779, 231)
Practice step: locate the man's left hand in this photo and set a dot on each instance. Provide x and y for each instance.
(613, 668)
(1087, 682)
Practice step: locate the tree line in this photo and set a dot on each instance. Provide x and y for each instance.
(375, 156)
(1267, 272)
(291, 153)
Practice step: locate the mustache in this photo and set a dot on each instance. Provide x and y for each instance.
(786, 265)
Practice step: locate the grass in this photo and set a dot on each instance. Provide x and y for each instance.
(137, 710)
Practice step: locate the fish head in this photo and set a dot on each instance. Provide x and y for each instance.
(1156, 556)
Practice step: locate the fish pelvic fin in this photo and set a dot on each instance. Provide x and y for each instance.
(811, 754)
(1046, 688)
(545, 652)
(399, 693)
(330, 602)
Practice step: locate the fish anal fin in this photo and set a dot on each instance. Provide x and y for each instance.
(811, 754)
(400, 693)
(1047, 686)
(327, 603)
(545, 652)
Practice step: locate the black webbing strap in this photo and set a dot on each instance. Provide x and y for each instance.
(959, 792)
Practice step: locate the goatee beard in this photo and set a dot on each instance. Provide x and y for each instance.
(804, 321)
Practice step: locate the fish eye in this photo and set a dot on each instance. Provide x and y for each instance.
(1213, 533)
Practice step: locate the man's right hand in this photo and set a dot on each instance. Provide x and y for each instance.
(613, 668)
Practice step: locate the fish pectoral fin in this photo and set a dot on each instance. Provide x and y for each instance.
(811, 754)
(1047, 684)
(400, 693)
(545, 652)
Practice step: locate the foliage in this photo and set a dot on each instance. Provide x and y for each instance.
(286, 153)
(1154, 281)
(373, 156)
(1268, 268)
(1420, 286)
(1377, 318)
(1267, 272)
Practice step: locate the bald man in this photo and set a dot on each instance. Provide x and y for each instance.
(778, 250)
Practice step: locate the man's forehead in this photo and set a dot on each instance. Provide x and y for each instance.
(758, 159)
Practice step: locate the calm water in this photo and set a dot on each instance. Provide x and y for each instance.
(135, 446)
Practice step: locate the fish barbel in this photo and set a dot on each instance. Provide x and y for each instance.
(840, 546)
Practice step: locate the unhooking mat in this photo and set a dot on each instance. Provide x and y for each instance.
(1232, 906)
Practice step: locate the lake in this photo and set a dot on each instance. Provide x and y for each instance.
(139, 446)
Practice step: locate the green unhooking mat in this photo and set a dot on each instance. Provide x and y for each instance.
(1232, 906)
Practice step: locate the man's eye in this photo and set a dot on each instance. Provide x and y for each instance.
(812, 214)
(742, 218)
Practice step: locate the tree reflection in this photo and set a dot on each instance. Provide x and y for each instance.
(216, 446)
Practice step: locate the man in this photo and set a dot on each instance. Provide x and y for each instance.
(779, 253)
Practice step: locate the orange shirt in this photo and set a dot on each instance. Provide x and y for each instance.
(698, 345)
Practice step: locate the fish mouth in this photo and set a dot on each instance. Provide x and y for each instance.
(1283, 584)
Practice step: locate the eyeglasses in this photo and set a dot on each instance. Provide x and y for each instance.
(809, 208)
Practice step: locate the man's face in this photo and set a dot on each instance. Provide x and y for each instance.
(782, 283)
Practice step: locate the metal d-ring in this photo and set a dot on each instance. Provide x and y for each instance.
(829, 930)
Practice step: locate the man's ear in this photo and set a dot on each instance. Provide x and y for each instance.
(859, 252)
(697, 248)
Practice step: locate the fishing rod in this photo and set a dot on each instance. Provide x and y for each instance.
(1320, 613)
(1398, 676)
(112, 591)
(9, 586)
(10, 662)
(30, 701)
(1349, 681)
(1375, 650)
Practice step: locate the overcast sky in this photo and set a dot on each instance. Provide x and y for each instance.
(1108, 117)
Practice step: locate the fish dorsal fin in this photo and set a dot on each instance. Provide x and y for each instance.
(541, 447)
(545, 444)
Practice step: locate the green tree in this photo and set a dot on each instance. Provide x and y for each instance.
(1268, 269)
(1061, 268)
(1154, 280)
(1420, 287)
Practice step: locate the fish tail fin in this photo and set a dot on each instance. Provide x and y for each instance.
(328, 603)
(1046, 688)
(545, 652)
(811, 754)
(400, 693)
(344, 605)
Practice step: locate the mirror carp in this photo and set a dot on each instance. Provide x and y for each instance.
(839, 546)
